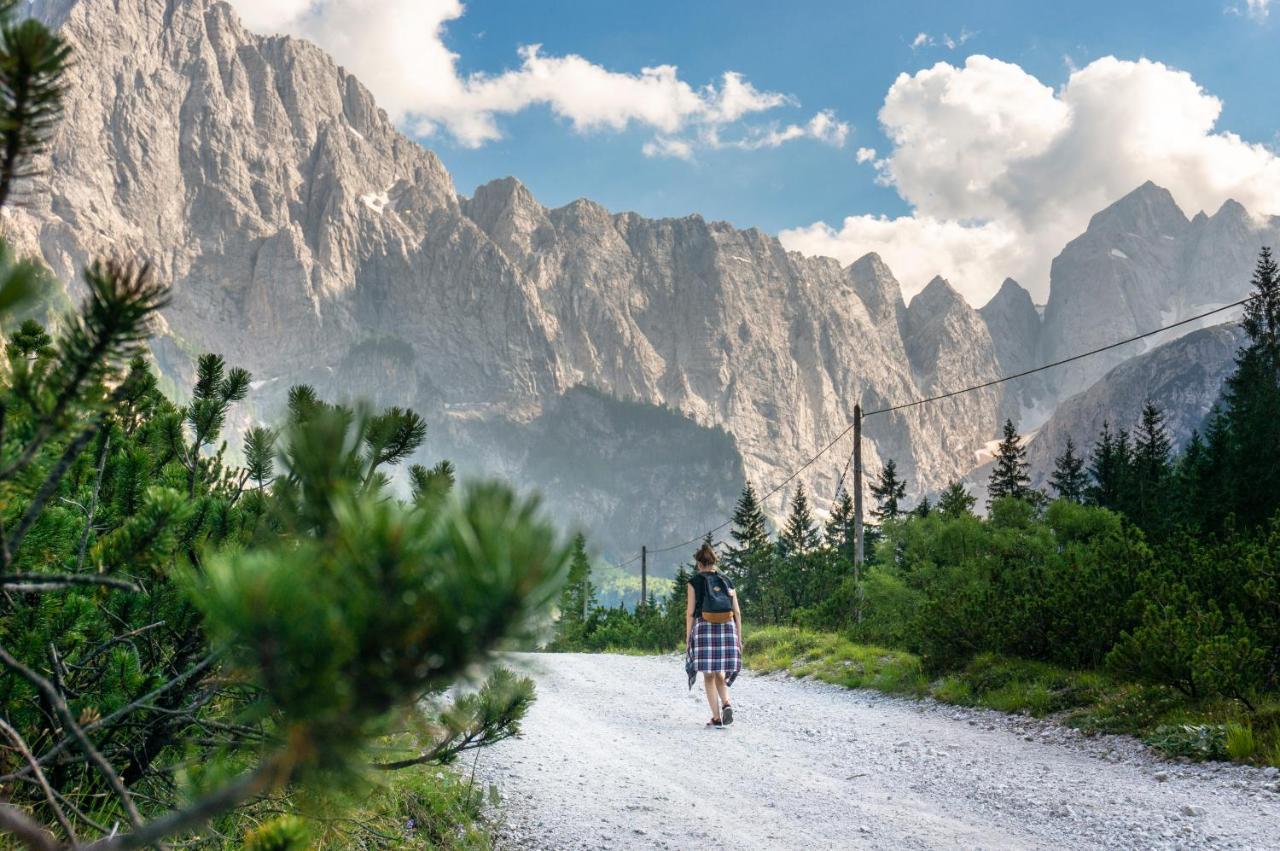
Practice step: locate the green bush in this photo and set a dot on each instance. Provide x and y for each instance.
(1191, 741)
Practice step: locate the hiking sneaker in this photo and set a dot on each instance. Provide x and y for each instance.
(726, 714)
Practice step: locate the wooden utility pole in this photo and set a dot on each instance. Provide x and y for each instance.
(644, 576)
(857, 491)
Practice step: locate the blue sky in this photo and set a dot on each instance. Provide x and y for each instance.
(827, 54)
(834, 125)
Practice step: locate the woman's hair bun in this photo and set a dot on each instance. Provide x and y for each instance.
(706, 556)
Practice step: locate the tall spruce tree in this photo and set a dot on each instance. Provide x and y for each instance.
(923, 508)
(888, 491)
(1148, 496)
(578, 596)
(956, 501)
(800, 534)
(748, 561)
(1252, 402)
(1069, 479)
(750, 533)
(1109, 468)
(1009, 477)
(840, 525)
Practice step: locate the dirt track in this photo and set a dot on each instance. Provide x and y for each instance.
(614, 755)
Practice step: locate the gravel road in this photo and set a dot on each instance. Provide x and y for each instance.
(614, 755)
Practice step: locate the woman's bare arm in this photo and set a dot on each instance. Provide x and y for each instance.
(737, 617)
(688, 612)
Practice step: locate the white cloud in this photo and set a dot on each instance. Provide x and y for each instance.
(1257, 8)
(866, 155)
(1001, 171)
(397, 48)
(951, 42)
(666, 146)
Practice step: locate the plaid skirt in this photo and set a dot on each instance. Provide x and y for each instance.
(713, 647)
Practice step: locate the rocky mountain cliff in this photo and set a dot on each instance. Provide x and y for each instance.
(308, 240)
(1140, 265)
(1184, 378)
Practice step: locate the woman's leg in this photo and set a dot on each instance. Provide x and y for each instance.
(723, 689)
(713, 700)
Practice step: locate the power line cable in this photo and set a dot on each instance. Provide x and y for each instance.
(1081, 356)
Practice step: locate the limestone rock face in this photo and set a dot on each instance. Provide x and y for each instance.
(1142, 265)
(1014, 325)
(308, 240)
(1184, 378)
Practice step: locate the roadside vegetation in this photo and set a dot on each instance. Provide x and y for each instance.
(1141, 594)
(271, 655)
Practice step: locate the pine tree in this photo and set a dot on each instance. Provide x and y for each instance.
(1069, 478)
(1252, 403)
(800, 534)
(750, 534)
(748, 561)
(956, 501)
(1149, 472)
(1261, 320)
(1009, 477)
(888, 491)
(840, 525)
(923, 509)
(1109, 468)
(578, 596)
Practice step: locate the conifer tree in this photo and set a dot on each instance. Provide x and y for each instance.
(1149, 472)
(750, 534)
(800, 534)
(1009, 477)
(840, 525)
(1109, 468)
(1252, 402)
(888, 491)
(923, 509)
(748, 560)
(1069, 479)
(956, 501)
(578, 596)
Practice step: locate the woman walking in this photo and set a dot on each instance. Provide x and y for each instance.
(713, 622)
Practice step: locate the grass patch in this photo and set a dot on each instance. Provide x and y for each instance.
(834, 659)
(1091, 701)
(423, 808)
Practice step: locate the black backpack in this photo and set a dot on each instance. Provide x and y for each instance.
(716, 600)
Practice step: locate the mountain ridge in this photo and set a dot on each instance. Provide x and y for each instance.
(310, 239)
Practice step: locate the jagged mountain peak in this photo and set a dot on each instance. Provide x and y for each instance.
(1010, 295)
(506, 210)
(1231, 210)
(938, 296)
(1148, 208)
(877, 287)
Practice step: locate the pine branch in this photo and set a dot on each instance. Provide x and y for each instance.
(271, 773)
(59, 704)
(33, 62)
(26, 829)
(83, 547)
(40, 582)
(111, 719)
(49, 487)
(21, 746)
(110, 325)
